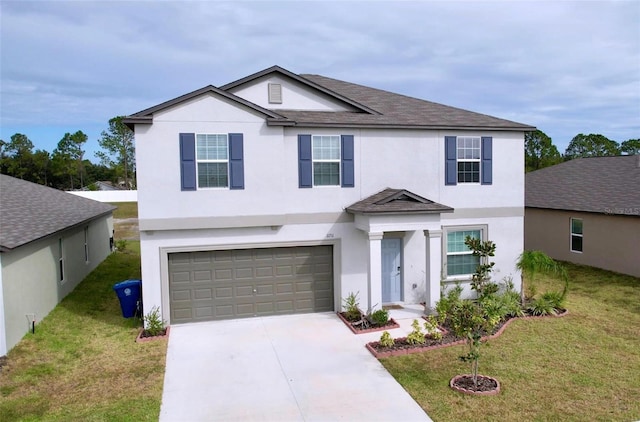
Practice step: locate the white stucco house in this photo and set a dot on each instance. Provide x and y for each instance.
(282, 193)
(49, 242)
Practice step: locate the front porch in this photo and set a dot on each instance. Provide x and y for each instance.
(415, 223)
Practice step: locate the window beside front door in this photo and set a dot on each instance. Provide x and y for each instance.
(576, 235)
(460, 262)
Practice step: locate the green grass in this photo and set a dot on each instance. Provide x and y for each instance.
(125, 210)
(82, 363)
(584, 366)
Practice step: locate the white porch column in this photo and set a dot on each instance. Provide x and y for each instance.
(434, 266)
(375, 272)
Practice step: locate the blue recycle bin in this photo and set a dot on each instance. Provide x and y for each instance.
(128, 292)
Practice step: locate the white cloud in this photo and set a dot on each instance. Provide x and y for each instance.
(566, 67)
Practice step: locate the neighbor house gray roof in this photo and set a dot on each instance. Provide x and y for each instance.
(608, 185)
(29, 211)
(397, 201)
(374, 108)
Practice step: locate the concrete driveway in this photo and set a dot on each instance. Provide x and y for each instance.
(286, 368)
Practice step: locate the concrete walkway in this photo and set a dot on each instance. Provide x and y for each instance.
(286, 368)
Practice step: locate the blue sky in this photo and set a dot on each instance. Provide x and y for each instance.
(564, 67)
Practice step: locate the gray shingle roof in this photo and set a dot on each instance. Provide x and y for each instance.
(390, 201)
(396, 110)
(598, 184)
(29, 211)
(375, 108)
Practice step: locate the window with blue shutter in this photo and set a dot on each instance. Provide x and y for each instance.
(188, 161)
(326, 160)
(348, 170)
(487, 166)
(211, 161)
(236, 164)
(468, 159)
(305, 165)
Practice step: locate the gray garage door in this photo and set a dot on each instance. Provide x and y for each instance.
(250, 282)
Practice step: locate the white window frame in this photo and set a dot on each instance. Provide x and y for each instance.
(469, 160)
(572, 234)
(315, 160)
(86, 244)
(203, 160)
(484, 230)
(61, 261)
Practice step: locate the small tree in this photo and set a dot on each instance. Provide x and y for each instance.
(470, 319)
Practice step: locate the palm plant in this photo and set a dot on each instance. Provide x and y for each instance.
(531, 263)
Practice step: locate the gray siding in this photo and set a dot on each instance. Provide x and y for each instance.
(30, 274)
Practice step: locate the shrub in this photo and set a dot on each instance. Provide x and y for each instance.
(386, 340)
(379, 317)
(154, 325)
(431, 327)
(352, 307)
(541, 306)
(121, 245)
(555, 299)
(416, 336)
(447, 302)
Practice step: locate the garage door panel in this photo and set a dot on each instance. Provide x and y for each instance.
(245, 283)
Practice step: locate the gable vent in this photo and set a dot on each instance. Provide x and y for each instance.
(275, 94)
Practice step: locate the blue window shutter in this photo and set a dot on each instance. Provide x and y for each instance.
(487, 166)
(450, 166)
(188, 161)
(305, 170)
(348, 179)
(236, 161)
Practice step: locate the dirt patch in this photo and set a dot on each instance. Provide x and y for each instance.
(126, 228)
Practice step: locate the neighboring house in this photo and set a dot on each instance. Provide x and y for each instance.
(49, 241)
(587, 211)
(282, 193)
(102, 186)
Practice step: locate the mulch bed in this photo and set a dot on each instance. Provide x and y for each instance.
(487, 386)
(144, 335)
(401, 347)
(359, 329)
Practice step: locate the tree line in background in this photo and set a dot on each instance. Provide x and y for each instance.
(540, 152)
(66, 167)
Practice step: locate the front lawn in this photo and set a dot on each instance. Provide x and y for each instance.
(584, 366)
(82, 363)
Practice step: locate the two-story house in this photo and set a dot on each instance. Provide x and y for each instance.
(282, 193)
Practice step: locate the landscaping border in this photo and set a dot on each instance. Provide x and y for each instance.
(419, 349)
(140, 339)
(474, 393)
(390, 326)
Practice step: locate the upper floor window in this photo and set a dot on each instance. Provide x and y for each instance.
(212, 154)
(576, 235)
(468, 159)
(211, 161)
(326, 160)
(468, 153)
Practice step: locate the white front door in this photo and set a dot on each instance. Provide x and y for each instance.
(391, 270)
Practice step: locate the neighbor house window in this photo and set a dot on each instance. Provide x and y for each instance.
(576, 235)
(459, 258)
(212, 155)
(326, 160)
(60, 260)
(468, 154)
(86, 244)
